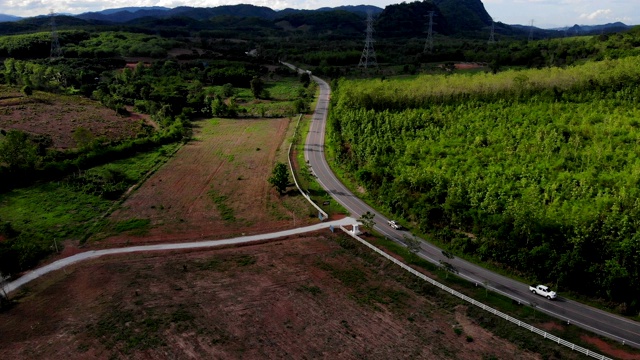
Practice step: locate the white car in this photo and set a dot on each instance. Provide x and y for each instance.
(394, 224)
(543, 291)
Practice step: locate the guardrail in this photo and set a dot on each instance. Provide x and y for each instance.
(484, 307)
(323, 215)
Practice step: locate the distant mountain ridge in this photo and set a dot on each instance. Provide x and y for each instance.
(452, 17)
(121, 15)
(592, 29)
(7, 18)
(133, 9)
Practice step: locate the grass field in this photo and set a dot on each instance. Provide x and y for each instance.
(216, 186)
(279, 104)
(57, 210)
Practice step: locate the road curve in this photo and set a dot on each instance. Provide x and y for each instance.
(87, 255)
(612, 326)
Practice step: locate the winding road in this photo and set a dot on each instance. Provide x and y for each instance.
(612, 326)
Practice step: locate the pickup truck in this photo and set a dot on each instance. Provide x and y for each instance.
(394, 224)
(543, 291)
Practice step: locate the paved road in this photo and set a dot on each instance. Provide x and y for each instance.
(612, 326)
(32, 275)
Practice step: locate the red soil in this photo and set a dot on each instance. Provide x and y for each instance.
(608, 350)
(59, 116)
(283, 299)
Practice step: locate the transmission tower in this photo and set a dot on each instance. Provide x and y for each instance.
(428, 45)
(368, 57)
(56, 51)
(492, 39)
(531, 31)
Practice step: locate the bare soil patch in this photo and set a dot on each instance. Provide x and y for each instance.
(59, 116)
(550, 326)
(608, 350)
(466, 66)
(216, 186)
(297, 298)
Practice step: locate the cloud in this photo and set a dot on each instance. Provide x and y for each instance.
(596, 14)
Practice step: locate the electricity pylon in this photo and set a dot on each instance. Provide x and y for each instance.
(368, 57)
(428, 45)
(492, 39)
(56, 51)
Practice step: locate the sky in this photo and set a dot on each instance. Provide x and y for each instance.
(543, 13)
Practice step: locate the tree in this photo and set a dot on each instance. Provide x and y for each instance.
(83, 137)
(18, 151)
(257, 87)
(300, 106)
(228, 90)
(219, 107)
(27, 90)
(280, 177)
(367, 220)
(305, 79)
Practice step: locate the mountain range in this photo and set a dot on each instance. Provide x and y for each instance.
(404, 19)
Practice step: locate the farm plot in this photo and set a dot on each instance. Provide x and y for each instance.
(297, 298)
(216, 186)
(58, 116)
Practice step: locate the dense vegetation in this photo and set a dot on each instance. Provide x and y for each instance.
(173, 90)
(536, 170)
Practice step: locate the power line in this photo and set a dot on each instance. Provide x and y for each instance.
(368, 57)
(531, 31)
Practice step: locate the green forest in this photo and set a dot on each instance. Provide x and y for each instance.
(537, 170)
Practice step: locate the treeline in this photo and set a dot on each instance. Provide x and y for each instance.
(506, 53)
(119, 44)
(536, 170)
(429, 89)
(36, 45)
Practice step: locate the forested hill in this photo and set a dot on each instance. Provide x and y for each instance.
(464, 15)
(411, 20)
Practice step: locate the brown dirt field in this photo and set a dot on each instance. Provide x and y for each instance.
(608, 350)
(297, 298)
(216, 186)
(550, 326)
(59, 116)
(464, 66)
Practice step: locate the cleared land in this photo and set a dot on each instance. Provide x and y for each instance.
(216, 186)
(313, 297)
(58, 116)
